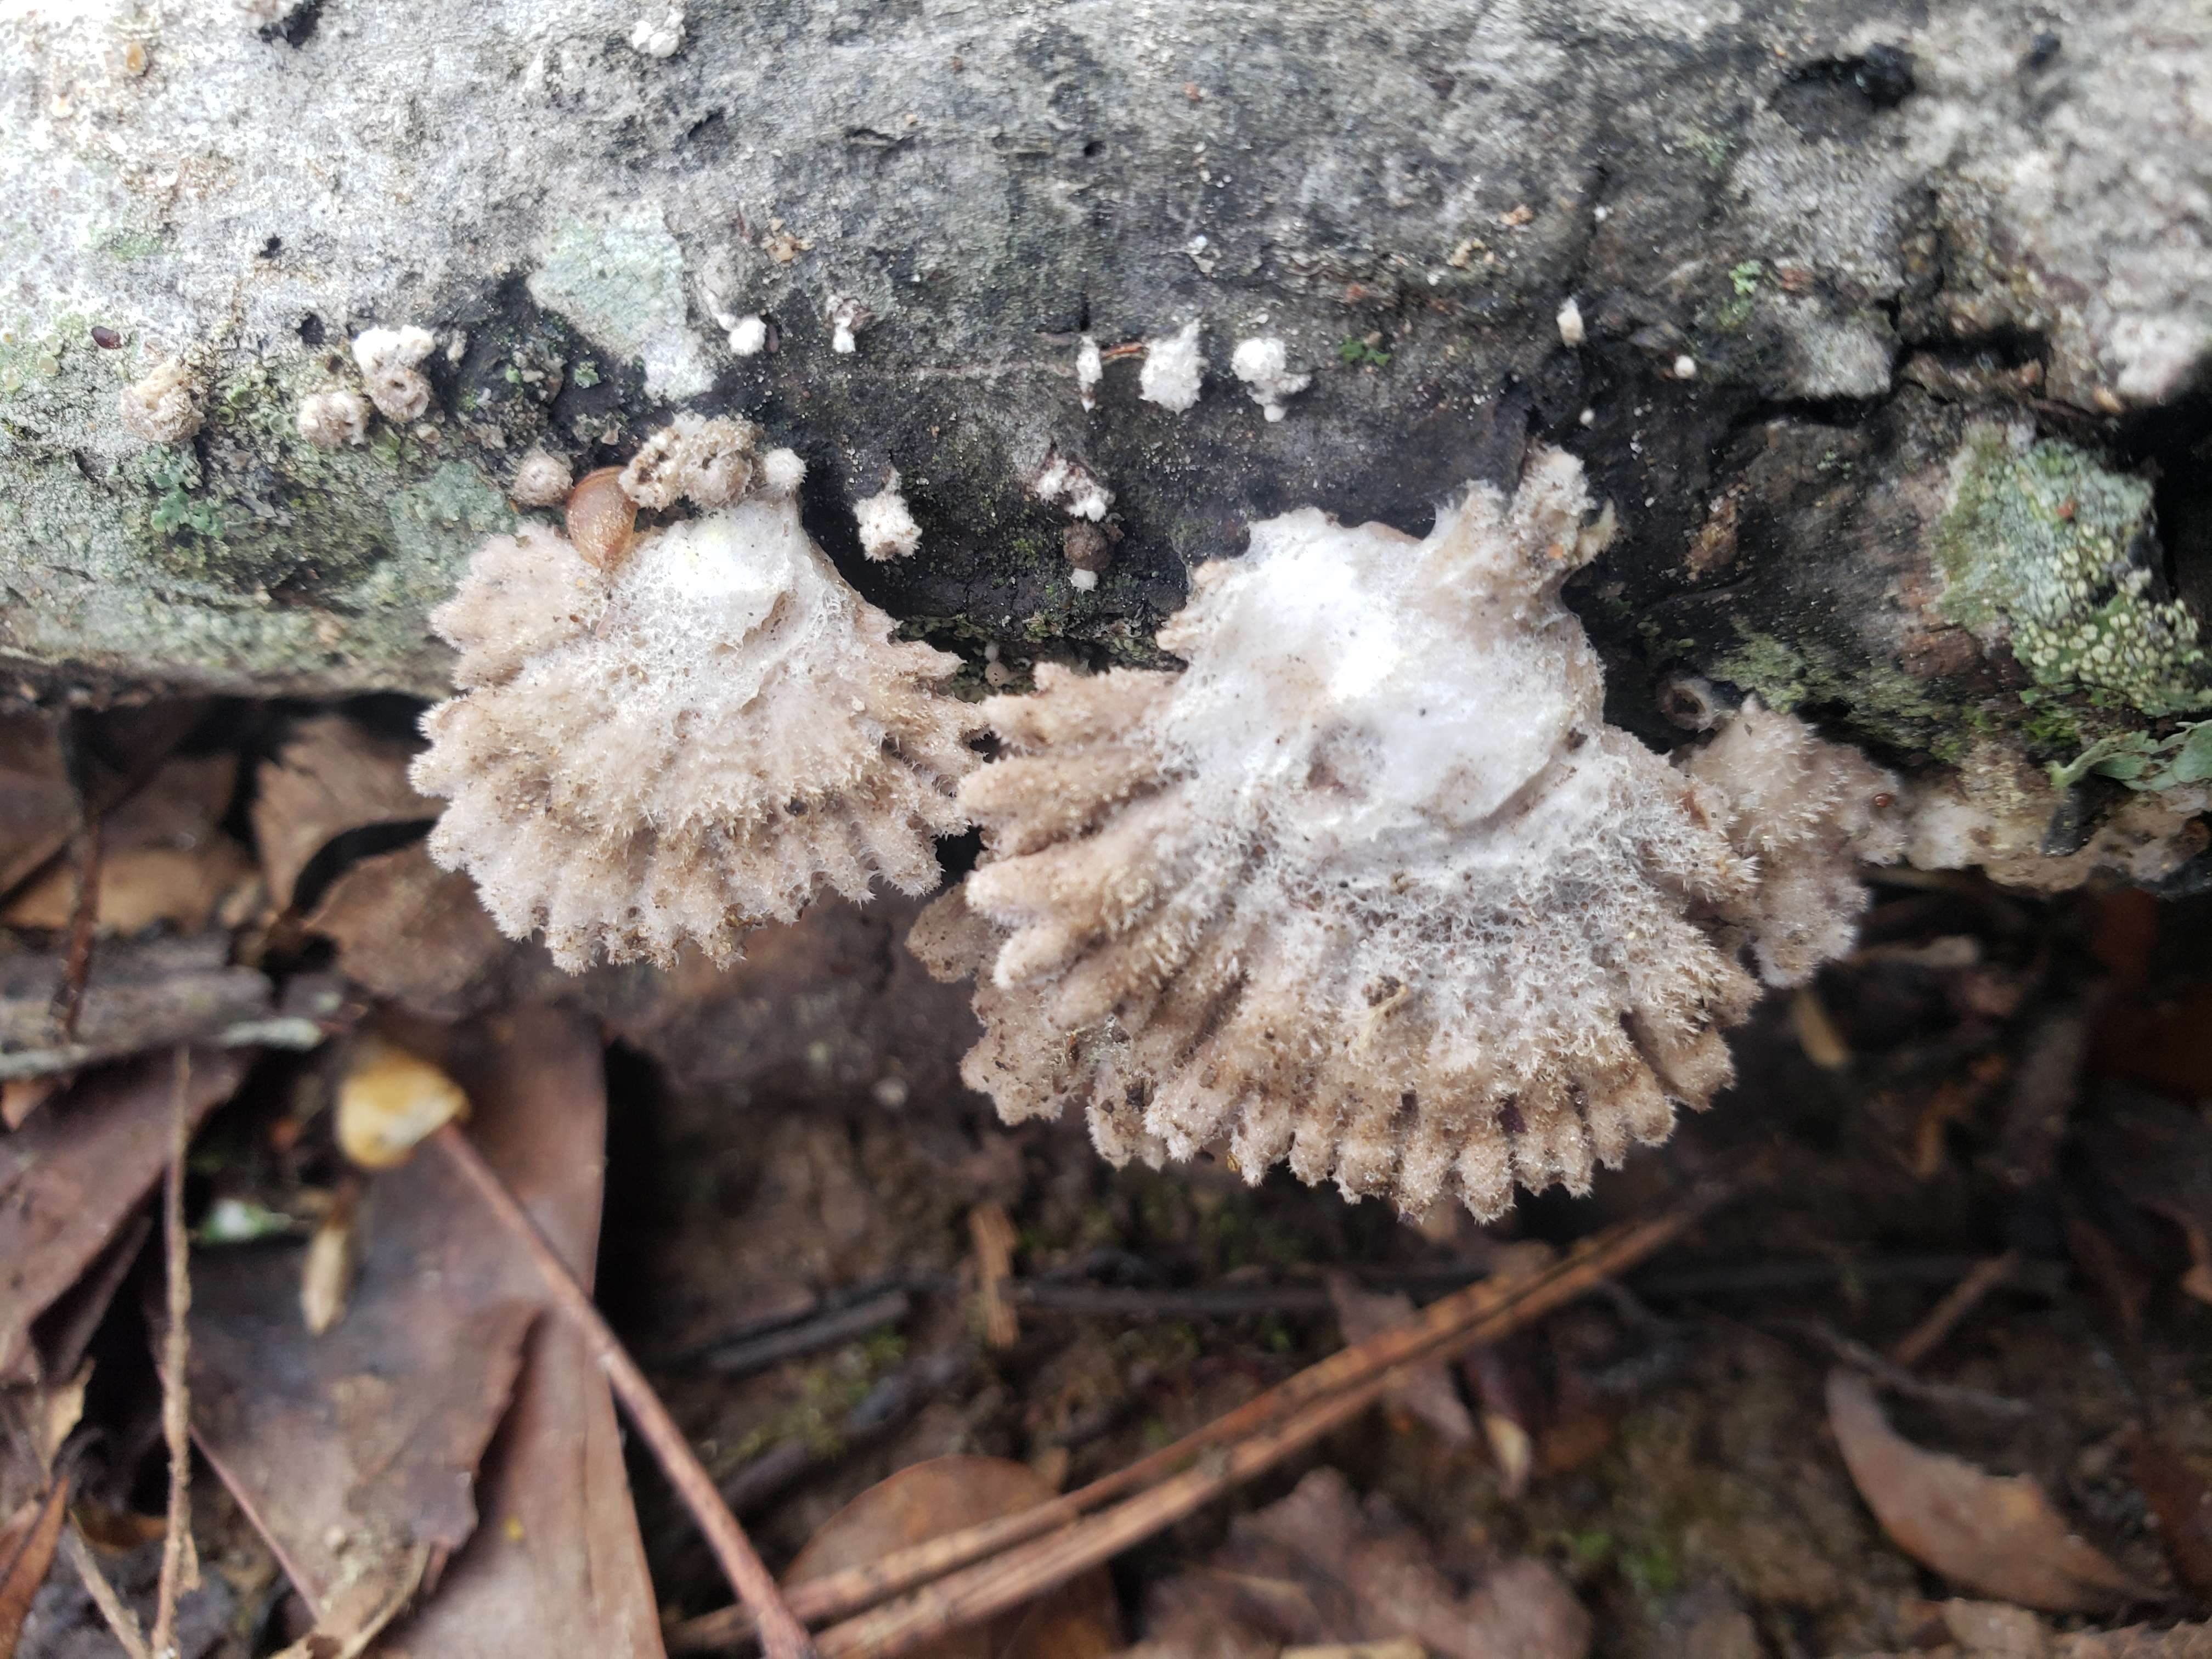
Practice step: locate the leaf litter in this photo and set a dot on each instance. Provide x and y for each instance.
(468, 1523)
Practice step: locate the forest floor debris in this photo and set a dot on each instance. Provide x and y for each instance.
(1988, 1157)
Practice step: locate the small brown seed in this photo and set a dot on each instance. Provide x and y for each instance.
(601, 519)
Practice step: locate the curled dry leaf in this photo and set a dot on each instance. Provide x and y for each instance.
(332, 775)
(164, 857)
(326, 1271)
(389, 1100)
(944, 1495)
(414, 934)
(1997, 1535)
(115, 752)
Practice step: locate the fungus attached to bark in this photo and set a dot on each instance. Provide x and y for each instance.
(162, 406)
(707, 460)
(695, 738)
(334, 419)
(1067, 482)
(1174, 373)
(541, 479)
(390, 361)
(1263, 364)
(886, 524)
(1371, 885)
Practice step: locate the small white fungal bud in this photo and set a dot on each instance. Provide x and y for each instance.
(162, 407)
(1262, 365)
(541, 479)
(389, 359)
(887, 528)
(658, 35)
(1173, 370)
(1090, 369)
(749, 335)
(847, 317)
(1083, 580)
(709, 462)
(1572, 333)
(1587, 417)
(1069, 483)
(334, 419)
(1686, 368)
(780, 473)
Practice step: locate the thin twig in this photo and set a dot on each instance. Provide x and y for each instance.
(991, 1587)
(828, 1330)
(1942, 1396)
(1344, 1382)
(84, 918)
(1923, 1339)
(179, 1564)
(781, 1635)
(121, 1620)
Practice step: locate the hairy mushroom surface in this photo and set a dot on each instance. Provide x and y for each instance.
(1370, 885)
(696, 739)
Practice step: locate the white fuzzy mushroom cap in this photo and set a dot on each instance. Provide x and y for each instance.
(390, 361)
(1263, 364)
(1174, 373)
(886, 524)
(1371, 886)
(162, 406)
(698, 743)
(334, 419)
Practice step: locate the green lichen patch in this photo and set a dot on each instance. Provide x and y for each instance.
(2047, 548)
(1886, 704)
(2142, 761)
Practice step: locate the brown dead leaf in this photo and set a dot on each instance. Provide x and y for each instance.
(927, 1500)
(2159, 1158)
(117, 751)
(141, 995)
(38, 809)
(1320, 1568)
(353, 1452)
(20, 1097)
(1972, 1638)
(26, 1550)
(141, 887)
(164, 857)
(412, 933)
(1997, 1535)
(69, 1178)
(332, 775)
(2179, 1498)
(558, 1566)
(1428, 1393)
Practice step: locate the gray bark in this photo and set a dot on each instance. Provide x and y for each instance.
(1822, 254)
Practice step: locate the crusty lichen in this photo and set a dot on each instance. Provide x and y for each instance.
(2054, 554)
(1371, 887)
